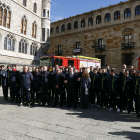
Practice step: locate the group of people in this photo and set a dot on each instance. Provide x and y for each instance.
(101, 87)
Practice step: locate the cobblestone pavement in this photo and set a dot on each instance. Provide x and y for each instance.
(23, 123)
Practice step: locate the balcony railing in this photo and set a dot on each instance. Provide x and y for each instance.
(59, 53)
(78, 50)
(100, 48)
(128, 45)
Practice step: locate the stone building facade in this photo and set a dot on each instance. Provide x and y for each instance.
(111, 34)
(24, 31)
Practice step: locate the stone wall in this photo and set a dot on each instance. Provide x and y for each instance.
(112, 32)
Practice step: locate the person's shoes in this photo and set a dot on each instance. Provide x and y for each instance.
(118, 110)
(21, 104)
(29, 105)
(54, 105)
(61, 105)
(111, 109)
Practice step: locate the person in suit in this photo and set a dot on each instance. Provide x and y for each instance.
(71, 86)
(58, 82)
(85, 83)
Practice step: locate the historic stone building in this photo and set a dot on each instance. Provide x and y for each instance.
(24, 31)
(111, 34)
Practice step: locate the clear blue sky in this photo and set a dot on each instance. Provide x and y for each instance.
(65, 8)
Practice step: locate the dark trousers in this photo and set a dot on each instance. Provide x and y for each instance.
(45, 95)
(25, 91)
(137, 102)
(72, 97)
(104, 98)
(58, 91)
(35, 89)
(84, 98)
(126, 100)
(52, 92)
(4, 92)
(114, 95)
(93, 95)
(13, 92)
(7, 86)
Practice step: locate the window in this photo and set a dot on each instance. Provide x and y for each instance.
(127, 38)
(127, 13)
(57, 29)
(48, 14)
(5, 16)
(59, 48)
(48, 35)
(1, 11)
(23, 25)
(35, 7)
(44, 12)
(24, 2)
(98, 19)
(43, 34)
(82, 23)
(103, 61)
(52, 30)
(127, 58)
(117, 15)
(9, 43)
(90, 21)
(69, 26)
(77, 45)
(75, 24)
(34, 28)
(22, 46)
(100, 42)
(63, 28)
(137, 10)
(107, 17)
(33, 49)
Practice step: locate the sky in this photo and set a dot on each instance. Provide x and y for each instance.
(61, 9)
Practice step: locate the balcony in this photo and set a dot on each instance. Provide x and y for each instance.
(78, 50)
(100, 48)
(59, 53)
(128, 45)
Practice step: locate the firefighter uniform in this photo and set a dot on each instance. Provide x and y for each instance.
(25, 83)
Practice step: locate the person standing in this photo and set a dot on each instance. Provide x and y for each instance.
(8, 79)
(85, 83)
(36, 87)
(58, 82)
(3, 76)
(95, 87)
(71, 86)
(25, 82)
(45, 83)
(14, 82)
(114, 84)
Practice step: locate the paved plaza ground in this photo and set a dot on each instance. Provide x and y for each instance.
(36, 123)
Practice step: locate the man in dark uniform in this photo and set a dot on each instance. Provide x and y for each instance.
(103, 87)
(126, 90)
(108, 69)
(114, 83)
(36, 87)
(58, 82)
(45, 83)
(71, 86)
(51, 85)
(14, 82)
(8, 79)
(25, 81)
(95, 87)
(136, 84)
(3, 76)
